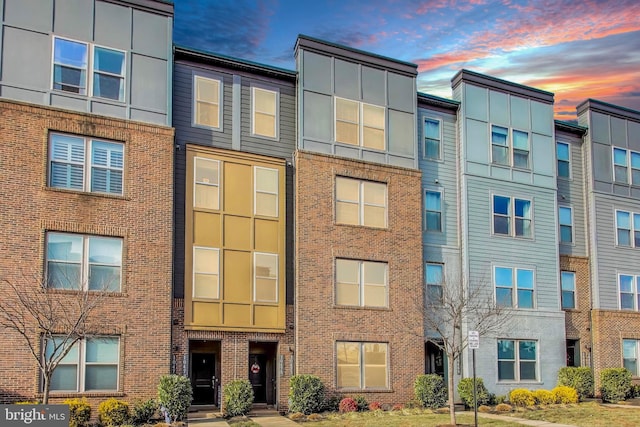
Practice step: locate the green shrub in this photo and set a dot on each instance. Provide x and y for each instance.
(79, 412)
(615, 384)
(348, 404)
(544, 397)
(306, 394)
(430, 391)
(496, 400)
(465, 390)
(580, 378)
(521, 397)
(332, 403)
(143, 411)
(503, 407)
(565, 394)
(362, 403)
(175, 395)
(238, 398)
(113, 412)
(634, 391)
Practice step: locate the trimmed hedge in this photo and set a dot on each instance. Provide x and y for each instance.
(306, 394)
(565, 394)
(544, 397)
(238, 398)
(615, 384)
(175, 395)
(430, 391)
(113, 412)
(522, 397)
(465, 390)
(580, 378)
(79, 412)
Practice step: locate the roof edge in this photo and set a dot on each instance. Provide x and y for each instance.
(501, 85)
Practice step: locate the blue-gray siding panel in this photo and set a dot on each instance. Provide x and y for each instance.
(571, 193)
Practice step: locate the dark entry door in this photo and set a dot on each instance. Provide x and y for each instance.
(258, 377)
(203, 374)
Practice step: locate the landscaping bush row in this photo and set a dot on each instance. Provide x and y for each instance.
(527, 398)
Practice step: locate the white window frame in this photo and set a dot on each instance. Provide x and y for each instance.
(208, 273)
(362, 365)
(517, 360)
(360, 123)
(636, 351)
(276, 115)
(521, 150)
(84, 263)
(87, 164)
(633, 230)
(361, 203)
(570, 225)
(219, 102)
(256, 277)
(81, 364)
(510, 147)
(439, 285)
(568, 161)
(196, 183)
(574, 300)
(516, 287)
(362, 285)
(256, 191)
(512, 218)
(90, 71)
(635, 291)
(439, 140)
(440, 212)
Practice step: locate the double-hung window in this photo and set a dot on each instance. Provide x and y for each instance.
(361, 124)
(514, 287)
(76, 261)
(432, 139)
(520, 149)
(264, 112)
(508, 211)
(565, 218)
(91, 364)
(71, 66)
(630, 356)
(434, 277)
(207, 95)
(627, 229)
(502, 147)
(265, 277)
(362, 365)
(206, 273)
(85, 164)
(563, 155)
(361, 202)
(629, 290)
(433, 210)
(517, 360)
(568, 285)
(206, 188)
(361, 283)
(626, 166)
(265, 191)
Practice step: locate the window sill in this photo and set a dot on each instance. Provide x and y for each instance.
(74, 394)
(364, 390)
(116, 294)
(515, 382)
(357, 307)
(510, 236)
(370, 227)
(87, 193)
(269, 138)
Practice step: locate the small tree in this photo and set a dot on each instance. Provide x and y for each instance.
(49, 322)
(462, 303)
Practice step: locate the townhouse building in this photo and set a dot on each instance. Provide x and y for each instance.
(87, 196)
(235, 126)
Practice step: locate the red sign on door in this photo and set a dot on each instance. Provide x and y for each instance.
(255, 368)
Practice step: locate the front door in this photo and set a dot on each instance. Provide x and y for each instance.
(203, 378)
(258, 377)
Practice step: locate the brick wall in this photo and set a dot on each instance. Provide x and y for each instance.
(578, 320)
(319, 323)
(141, 313)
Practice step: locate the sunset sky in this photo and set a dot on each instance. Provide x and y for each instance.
(575, 49)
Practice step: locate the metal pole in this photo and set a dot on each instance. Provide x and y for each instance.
(475, 395)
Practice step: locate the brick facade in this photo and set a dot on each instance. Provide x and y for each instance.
(578, 320)
(140, 313)
(319, 240)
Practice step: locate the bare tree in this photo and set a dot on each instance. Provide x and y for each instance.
(49, 321)
(457, 305)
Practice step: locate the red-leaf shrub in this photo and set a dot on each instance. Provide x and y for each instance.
(374, 406)
(348, 405)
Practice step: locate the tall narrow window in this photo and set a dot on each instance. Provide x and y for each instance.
(524, 281)
(628, 286)
(265, 109)
(623, 227)
(568, 284)
(265, 277)
(523, 217)
(347, 121)
(503, 279)
(70, 64)
(563, 155)
(501, 215)
(206, 193)
(266, 191)
(206, 273)
(107, 167)
(520, 149)
(630, 356)
(635, 168)
(431, 149)
(434, 278)
(361, 283)
(499, 145)
(373, 126)
(565, 217)
(108, 73)
(362, 365)
(207, 96)
(361, 202)
(620, 172)
(433, 210)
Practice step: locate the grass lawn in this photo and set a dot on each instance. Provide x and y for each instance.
(588, 414)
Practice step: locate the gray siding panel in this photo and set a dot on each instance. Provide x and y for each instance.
(571, 193)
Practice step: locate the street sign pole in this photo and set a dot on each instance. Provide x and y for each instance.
(474, 343)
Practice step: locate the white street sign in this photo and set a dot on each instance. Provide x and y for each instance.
(474, 340)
